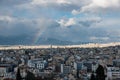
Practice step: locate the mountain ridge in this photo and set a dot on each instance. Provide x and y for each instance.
(28, 40)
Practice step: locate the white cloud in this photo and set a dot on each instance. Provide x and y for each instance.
(80, 22)
(99, 38)
(6, 18)
(101, 4)
(49, 2)
(62, 5)
(74, 2)
(75, 12)
(67, 23)
(63, 2)
(98, 6)
(106, 3)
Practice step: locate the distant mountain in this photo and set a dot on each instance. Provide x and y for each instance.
(28, 40)
(47, 41)
(14, 40)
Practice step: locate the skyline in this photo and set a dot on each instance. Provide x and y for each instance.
(67, 20)
(90, 45)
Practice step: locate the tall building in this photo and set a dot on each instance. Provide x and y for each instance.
(65, 69)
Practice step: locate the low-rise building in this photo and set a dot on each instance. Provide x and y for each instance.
(36, 63)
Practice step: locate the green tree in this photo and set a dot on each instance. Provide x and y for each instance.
(100, 74)
(93, 77)
(30, 76)
(18, 76)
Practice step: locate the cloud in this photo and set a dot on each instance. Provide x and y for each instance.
(84, 22)
(110, 29)
(75, 12)
(8, 3)
(68, 29)
(8, 7)
(15, 26)
(79, 29)
(46, 2)
(58, 5)
(89, 22)
(109, 23)
(6, 18)
(101, 5)
(96, 6)
(67, 22)
(93, 38)
(53, 18)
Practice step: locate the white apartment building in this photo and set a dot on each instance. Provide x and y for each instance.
(113, 73)
(36, 63)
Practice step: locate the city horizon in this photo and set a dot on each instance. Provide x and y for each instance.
(87, 45)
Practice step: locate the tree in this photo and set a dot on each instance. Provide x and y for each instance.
(100, 74)
(93, 77)
(18, 76)
(30, 76)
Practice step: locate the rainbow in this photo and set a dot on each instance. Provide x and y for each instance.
(37, 36)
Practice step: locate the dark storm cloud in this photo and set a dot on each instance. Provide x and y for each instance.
(12, 26)
(53, 18)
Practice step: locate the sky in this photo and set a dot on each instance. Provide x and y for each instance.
(70, 20)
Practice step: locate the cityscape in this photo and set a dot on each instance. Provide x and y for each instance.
(59, 39)
(60, 63)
